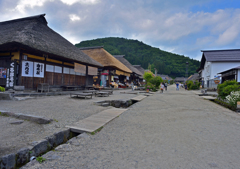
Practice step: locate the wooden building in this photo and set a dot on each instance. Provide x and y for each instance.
(140, 69)
(112, 67)
(136, 76)
(32, 53)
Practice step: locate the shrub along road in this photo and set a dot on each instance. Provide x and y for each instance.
(176, 129)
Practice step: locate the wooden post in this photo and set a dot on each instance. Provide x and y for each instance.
(20, 69)
(86, 75)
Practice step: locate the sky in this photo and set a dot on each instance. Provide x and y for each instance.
(183, 27)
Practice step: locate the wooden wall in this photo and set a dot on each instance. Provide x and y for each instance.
(54, 79)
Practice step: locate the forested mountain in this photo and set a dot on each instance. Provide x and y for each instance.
(138, 53)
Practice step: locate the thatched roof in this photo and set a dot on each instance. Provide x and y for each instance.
(128, 64)
(180, 79)
(33, 33)
(139, 67)
(164, 77)
(194, 77)
(99, 54)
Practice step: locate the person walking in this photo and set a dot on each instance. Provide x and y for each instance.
(185, 86)
(162, 87)
(165, 85)
(177, 86)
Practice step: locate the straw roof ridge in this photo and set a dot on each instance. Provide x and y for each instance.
(40, 17)
(92, 47)
(34, 33)
(119, 56)
(106, 59)
(128, 64)
(139, 67)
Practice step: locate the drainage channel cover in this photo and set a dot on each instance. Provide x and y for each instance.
(138, 98)
(96, 121)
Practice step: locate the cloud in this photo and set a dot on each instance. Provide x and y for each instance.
(228, 36)
(74, 17)
(169, 24)
(87, 2)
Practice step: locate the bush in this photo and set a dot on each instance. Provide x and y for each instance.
(156, 81)
(2, 89)
(150, 86)
(189, 84)
(226, 88)
(227, 105)
(193, 85)
(233, 98)
(147, 76)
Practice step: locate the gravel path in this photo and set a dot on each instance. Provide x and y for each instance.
(63, 109)
(176, 129)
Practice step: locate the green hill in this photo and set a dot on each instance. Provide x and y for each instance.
(138, 53)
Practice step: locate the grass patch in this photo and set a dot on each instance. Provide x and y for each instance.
(40, 159)
(96, 131)
(224, 104)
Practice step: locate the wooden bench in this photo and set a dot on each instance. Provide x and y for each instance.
(67, 88)
(43, 87)
(89, 87)
(83, 95)
(89, 91)
(109, 91)
(101, 94)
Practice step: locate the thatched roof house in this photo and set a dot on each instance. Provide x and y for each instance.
(32, 54)
(164, 77)
(194, 77)
(128, 64)
(99, 54)
(33, 33)
(139, 67)
(180, 79)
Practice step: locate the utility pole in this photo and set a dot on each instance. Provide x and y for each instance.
(186, 70)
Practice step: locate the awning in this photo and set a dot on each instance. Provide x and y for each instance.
(119, 72)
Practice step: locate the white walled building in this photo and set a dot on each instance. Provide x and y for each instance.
(215, 61)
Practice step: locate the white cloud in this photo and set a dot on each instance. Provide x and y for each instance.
(87, 2)
(176, 28)
(228, 36)
(74, 17)
(22, 4)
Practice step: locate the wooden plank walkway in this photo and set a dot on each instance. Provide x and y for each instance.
(94, 122)
(138, 98)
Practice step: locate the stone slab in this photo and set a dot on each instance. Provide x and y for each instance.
(94, 122)
(209, 97)
(138, 98)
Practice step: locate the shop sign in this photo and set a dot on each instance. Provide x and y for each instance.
(38, 69)
(27, 68)
(10, 76)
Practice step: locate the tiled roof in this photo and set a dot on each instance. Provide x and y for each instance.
(222, 55)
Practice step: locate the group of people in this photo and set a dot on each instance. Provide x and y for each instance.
(163, 86)
(181, 85)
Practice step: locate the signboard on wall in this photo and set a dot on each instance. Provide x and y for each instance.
(27, 68)
(38, 69)
(10, 81)
(32, 69)
(79, 68)
(92, 70)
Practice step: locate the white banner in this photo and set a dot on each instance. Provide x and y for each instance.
(27, 68)
(38, 69)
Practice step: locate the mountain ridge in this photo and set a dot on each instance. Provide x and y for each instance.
(139, 53)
